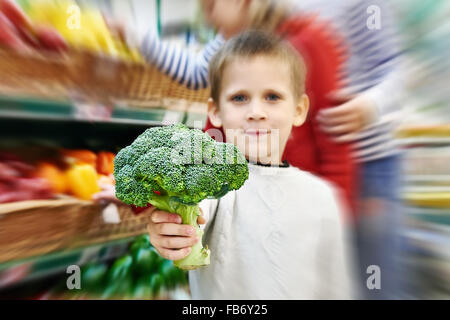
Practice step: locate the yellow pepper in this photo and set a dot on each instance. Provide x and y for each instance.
(82, 181)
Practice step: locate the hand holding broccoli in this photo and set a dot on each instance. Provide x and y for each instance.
(169, 237)
(174, 168)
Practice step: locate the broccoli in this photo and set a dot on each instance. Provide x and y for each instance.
(174, 168)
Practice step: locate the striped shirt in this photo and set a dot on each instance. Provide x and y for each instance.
(182, 65)
(371, 67)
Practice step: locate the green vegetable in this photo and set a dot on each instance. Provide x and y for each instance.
(125, 286)
(139, 243)
(174, 168)
(145, 261)
(109, 291)
(148, 286)
(119, 278)
(120, 268)
(121, 287)
(93, 277)
(156, 284)
(144, 239)
(142, 289)
(168, 273)
(182, 277)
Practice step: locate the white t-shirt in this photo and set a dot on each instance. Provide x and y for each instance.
(278, 237)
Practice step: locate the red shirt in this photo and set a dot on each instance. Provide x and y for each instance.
(309, 148)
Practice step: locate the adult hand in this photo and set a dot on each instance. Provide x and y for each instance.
(107, 194)
(352, 115)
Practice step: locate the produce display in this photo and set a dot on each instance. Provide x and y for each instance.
(174, 168)
(17, 181)
(18, 32)
(140, 274)
(60, 26)
(80, 173)
(47, 45)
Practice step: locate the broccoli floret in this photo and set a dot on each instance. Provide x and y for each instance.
(174, 168)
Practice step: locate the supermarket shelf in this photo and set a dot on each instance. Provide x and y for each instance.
(40, 227)
(425, 131)
(434, 217)
(424, 141)
(10, 207)
(432, 199)
(426, 194)
(59, 123)
(427, 211)
(443, 220)
(57, 118)
(428, 276)
(19, 272)
(30, 119)
(434, 242)
(427, 189)
(71, 133)
(27, 108)
(427, 178)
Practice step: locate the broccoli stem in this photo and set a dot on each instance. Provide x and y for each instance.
(199, 256)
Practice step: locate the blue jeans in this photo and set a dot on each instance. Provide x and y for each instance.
(377, 233)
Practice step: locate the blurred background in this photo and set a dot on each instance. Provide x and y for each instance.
(70, 98)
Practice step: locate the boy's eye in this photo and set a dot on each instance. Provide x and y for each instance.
(239, 98)
(273, 97)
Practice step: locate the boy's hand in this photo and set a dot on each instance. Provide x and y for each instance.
(170, 238)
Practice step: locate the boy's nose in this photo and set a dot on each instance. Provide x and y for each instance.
(256, 112)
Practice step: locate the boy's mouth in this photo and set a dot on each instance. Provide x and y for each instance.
(256, 132)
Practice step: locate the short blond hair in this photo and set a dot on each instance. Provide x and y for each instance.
(256, 43)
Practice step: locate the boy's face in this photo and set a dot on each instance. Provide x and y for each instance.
(257, 101)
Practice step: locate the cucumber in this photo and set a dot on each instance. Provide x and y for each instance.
(145, 261)
(93, 277)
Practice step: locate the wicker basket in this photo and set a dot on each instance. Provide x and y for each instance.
(35, 75)
(31, 228)
(94, 78)
(92, 228)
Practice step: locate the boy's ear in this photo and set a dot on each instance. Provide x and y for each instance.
(301, 111)
(213, 113)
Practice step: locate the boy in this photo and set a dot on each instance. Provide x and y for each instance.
(280, 235)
